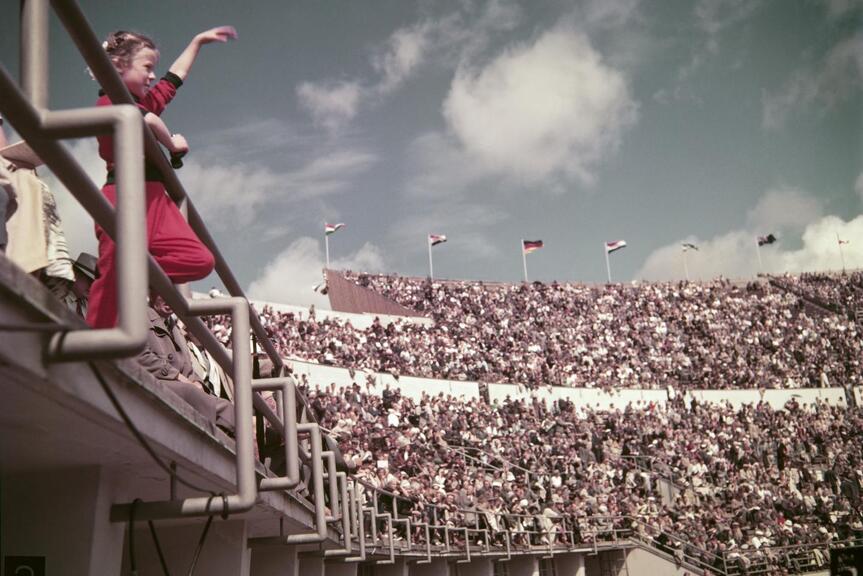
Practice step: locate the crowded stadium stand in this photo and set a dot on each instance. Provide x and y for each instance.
(420, 428)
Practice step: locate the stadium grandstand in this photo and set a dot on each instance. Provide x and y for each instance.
(419, 427)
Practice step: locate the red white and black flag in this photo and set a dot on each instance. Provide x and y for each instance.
(435, 239)
(531, 245)
(614, 246)
(765, 240)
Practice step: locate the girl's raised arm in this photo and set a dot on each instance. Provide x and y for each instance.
(184, 61)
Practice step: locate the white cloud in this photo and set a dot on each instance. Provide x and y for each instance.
(735, 254)
(405, 50)
(291, 276)
(714, 16)
(784, 209)
(540, 110)
(606, 14)
(228, 194)
(440, 168)
(235, 194)
(331, 104)
(840, 8)
(822, 87)
(454, 37)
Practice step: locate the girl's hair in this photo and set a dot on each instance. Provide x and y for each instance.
(122, 46)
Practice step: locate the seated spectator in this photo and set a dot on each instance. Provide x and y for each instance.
(168, 359)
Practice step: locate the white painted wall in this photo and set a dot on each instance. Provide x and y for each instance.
(321, 376)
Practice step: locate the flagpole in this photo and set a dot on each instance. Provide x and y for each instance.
(524, 260)
(327, 246)
(685, 267)
(841, 252)
(607, 263)
(758, 250)
(431, 266)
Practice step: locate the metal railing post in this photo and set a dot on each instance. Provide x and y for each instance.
(287, 392)
(34, 51)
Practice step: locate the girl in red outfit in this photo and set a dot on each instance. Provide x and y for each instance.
(170, 240)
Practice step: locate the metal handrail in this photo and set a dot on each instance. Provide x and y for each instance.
(42, 128)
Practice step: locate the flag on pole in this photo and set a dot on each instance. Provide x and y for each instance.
(531, 245)
(331, 228)
(614, 246)
(435, 239)
(764, 240)
(689, 246)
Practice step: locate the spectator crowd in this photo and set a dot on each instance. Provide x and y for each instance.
(745, 482)
(713, 335)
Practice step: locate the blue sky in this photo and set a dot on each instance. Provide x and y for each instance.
(706, 121)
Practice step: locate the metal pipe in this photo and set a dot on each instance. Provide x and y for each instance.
(34, 51)
(346, 550)
(130, 336)
(286, 387)
(407, 523)
(318, 481)
(247, 491)
(332, 476)
(389, 520)
(359, 521)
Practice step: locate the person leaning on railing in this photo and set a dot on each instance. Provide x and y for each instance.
(170, 240)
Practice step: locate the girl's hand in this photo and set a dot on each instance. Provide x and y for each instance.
(218, 34)
(179, 146)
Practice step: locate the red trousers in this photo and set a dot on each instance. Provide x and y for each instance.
(169, 239)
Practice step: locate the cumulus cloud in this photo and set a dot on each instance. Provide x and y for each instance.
(820, 87)
(784, 209)
(840, 8)
(548, 108)
(291, 276)
(453, 37)
(233, 194)
(714, 16)
(331, 104)
(735, 254)
(405, 50)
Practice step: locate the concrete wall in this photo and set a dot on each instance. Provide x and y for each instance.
(523, 566)
(569, 565)
(320, 376)
(594, 398)
(63, 517)
(225, 552)
(360, 321)
(639, 561)
(478, 567)
(776, 398)
(438, 567)
(275, 561)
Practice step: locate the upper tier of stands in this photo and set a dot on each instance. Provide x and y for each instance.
(712, 335)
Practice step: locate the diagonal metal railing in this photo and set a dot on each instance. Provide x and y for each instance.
(25, 107)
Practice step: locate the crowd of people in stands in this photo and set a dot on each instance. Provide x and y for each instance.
(714, 335)
(839, 293)
(741, 484)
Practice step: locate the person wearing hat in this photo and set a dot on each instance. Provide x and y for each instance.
(85, 273)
